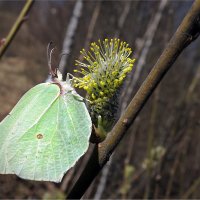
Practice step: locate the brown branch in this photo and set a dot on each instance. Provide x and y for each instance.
(21, 18)
(188, 31)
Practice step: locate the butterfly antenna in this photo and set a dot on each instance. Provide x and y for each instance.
(50, 61)
(48, 55)
(52, 71)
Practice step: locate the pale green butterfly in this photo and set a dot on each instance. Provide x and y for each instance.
(46, 132)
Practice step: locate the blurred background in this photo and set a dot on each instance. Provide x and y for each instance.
(160, 155)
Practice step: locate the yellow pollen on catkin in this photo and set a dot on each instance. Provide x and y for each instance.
(106, 65)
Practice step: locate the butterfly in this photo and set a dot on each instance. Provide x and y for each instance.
(46, 132)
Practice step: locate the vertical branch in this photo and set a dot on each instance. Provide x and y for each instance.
(150, 139)
(148, 38)
(68, 40)
(102, 182)
(92, 24)
(123, 17)
(16, 27)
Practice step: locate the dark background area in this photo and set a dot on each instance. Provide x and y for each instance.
(160, 155)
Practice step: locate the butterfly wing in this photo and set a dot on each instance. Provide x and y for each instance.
(52, 143)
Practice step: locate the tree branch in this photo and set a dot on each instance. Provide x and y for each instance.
(187, 32)
(16, 27)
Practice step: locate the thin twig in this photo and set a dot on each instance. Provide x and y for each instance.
(91, 27)
(192, 188)
(16, 26)
(103, 180)
(146, 45)
(173, 171)
(187, 32)
(123, 17)
(69, 35)
(150, 143)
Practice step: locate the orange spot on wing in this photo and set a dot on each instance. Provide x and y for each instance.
(39, 136)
